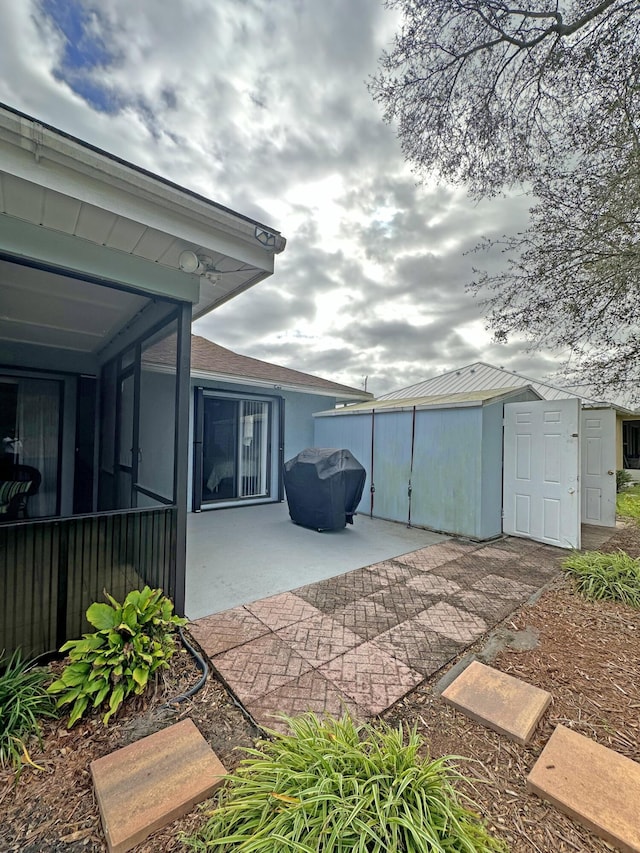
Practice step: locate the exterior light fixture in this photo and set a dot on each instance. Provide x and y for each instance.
(189, 261)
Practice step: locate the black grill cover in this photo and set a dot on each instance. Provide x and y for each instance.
(324, 487)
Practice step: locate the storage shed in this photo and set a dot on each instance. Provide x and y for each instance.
(433, 461)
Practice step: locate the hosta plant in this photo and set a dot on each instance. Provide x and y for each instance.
(131, 642)
(598, 576)
(334, 786)
(23, 701)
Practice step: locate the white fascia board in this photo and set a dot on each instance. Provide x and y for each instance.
(37, 154)
(233, 379)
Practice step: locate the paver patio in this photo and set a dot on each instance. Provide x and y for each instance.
(362, 640)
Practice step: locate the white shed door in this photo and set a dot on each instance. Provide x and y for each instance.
(598, 435)
(541, 491)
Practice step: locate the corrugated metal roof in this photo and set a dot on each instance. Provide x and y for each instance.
(433, 401)
(480, 375)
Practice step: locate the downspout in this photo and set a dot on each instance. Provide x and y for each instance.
(413, 441)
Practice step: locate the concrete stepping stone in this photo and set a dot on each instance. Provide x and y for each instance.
(152, 782)
(499, 701)
(594, 785)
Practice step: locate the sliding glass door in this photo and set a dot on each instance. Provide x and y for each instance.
(234, 449)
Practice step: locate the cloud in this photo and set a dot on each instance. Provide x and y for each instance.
(264, 108)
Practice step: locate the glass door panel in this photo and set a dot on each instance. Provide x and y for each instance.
(235, 449)
(253, 423)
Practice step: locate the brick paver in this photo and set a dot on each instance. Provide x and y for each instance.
(258, 667)
(424, 650)
(280, 610)
(433, 584)
(319, 639)
(504, 587)
(393, 572)
(371, 677)
(453, 622)
(372, 634)
(490, 607)
(225, 630)
(310, 692)
(367, 617)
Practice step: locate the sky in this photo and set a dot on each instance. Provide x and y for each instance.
(263, 106)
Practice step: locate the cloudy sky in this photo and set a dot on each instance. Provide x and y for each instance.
(262, 105)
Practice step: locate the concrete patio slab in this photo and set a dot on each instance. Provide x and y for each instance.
(594, 785)
(152, 782)
(235, 556)
(498, 701)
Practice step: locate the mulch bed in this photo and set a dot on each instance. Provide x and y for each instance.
(587, 657)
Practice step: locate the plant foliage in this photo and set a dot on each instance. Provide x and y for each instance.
(132, 641)
(628, 503)
(612, 577)
(542, 97)
(334, 786)
(623, 478)
(23, 701)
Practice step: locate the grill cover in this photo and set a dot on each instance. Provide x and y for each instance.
(324, 487)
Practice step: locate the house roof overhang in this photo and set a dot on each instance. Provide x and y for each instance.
(70, 209)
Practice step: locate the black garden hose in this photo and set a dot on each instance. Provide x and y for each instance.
(202, 666)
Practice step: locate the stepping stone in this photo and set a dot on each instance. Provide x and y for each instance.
(594, 785)
(152, 782)
(499, 701)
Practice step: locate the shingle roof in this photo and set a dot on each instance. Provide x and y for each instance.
(208, 357)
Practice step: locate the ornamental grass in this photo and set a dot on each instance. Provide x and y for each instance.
(335, 786)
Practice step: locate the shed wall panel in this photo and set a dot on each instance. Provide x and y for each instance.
(349, 432)
(447, 470)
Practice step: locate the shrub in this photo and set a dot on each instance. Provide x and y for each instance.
(23, 700)
(623, 478)
(628, 503)
(133, 641)
(337, 787)
(598, 576)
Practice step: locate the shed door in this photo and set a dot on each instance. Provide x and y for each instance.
(541, 494)
(598, 432)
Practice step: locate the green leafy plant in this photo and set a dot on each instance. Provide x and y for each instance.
(623, 478)
(598, 576)
(628, 502)
(333, 786)
(132, 641)
(23, 701)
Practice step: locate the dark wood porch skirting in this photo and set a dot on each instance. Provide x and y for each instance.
(52, 570)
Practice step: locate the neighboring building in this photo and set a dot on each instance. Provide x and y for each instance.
(99, 262)
(248, 417)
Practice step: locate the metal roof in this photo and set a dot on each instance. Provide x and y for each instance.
(464, 399)
(475, 377)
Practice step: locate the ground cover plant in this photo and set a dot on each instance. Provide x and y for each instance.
(335, 786)
(612, 577)
(628, 502)
(24, 701)
(132, 641)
